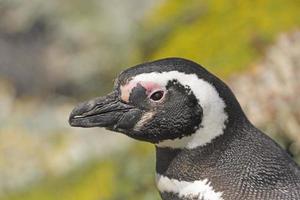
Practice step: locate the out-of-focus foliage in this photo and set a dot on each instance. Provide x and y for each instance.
(71, 44)
(53, 53)
(126, 175)
(275, 104)
(225, 36)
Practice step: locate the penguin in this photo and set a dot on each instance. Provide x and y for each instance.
(206, 148)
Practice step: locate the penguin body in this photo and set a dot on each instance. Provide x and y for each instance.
(206, 148)
(250, 166)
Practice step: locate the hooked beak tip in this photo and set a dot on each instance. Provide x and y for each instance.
(72, 118)
(78, 113)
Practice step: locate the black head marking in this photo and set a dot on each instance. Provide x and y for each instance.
(138, 96)
(177, 116)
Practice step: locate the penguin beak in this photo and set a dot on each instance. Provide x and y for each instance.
(99, 112)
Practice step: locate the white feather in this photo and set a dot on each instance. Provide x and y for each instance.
(200, 189)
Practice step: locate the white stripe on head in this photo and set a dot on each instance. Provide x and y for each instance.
(214, 116)
(200, 189)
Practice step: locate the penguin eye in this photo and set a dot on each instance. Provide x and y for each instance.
(156, 96)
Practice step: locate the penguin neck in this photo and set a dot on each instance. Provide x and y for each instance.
(164, 158)
(173, 161)
(170, 162)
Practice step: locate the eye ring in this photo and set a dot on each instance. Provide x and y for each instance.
(157, 95)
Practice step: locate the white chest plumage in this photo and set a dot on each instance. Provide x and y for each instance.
(200, 189)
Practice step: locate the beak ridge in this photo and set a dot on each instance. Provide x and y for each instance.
(98, 112)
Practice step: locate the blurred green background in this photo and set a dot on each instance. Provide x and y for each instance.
(56, 53)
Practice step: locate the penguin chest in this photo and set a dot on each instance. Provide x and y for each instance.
(183, 190)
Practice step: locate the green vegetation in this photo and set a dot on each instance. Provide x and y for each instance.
(123, 175)
(226, 37)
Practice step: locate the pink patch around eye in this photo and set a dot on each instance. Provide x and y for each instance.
(150, 87)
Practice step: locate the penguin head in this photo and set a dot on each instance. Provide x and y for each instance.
(171, 102)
